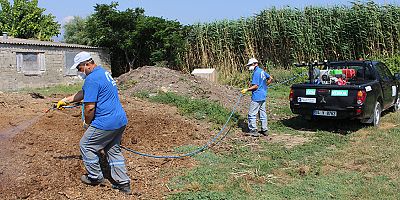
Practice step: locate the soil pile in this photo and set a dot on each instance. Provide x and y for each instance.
(154, 79)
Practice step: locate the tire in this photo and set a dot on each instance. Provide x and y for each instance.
(396, 106)
(376, 117)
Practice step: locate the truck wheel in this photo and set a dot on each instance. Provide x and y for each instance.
(396, 105)
(377, 114)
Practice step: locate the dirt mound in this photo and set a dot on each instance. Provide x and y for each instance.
(154, 79)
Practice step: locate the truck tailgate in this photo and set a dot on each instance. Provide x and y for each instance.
(326, 100)
(326, 97)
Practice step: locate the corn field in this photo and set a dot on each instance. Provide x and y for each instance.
(281, 37)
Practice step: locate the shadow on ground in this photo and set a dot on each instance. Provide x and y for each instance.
(242, 124)
(331, 125)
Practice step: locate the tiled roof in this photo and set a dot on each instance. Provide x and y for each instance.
(18, 41)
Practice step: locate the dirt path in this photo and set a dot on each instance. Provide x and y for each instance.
(40, 155)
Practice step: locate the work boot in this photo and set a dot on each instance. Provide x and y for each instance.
(124, 188)
(90, 181)
(253, 133)
(264, 133)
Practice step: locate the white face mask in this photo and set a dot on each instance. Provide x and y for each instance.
(82, 75)
(251, 67)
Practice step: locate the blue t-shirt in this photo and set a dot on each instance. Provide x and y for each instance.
(259, 78)
(100, 88)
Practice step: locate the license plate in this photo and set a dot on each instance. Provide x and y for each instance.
(324, 113)
(306, 100)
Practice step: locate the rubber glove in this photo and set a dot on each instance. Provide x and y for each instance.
(85, 126)
(61, 103)
(244, 91)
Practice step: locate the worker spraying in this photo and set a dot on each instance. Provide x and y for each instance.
(104, 121)
(259, 87)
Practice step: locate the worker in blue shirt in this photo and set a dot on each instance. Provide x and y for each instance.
(259, 88)
(104, 120)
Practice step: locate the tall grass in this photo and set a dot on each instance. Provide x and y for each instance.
(281, 37)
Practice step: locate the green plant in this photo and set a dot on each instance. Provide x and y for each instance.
(134, 39)
(127, 84)
(24, 19)
(57, 89)
(142, 94)
(196, 108)
(393, 63)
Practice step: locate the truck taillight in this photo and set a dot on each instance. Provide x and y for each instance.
(361, 95)
(291, 95)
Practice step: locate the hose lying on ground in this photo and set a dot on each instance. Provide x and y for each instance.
(198, 150)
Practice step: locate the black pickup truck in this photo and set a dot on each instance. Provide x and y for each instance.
(346, 90)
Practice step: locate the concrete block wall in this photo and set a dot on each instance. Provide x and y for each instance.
(11, 79)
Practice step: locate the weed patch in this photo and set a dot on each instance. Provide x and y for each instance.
(58, 89)
(127, 84)
(197, 108)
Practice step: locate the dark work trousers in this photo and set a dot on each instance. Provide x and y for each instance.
(94, 140)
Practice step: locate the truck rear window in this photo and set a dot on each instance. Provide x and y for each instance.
(342, 74)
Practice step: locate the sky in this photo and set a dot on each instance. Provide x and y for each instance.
(186, 11)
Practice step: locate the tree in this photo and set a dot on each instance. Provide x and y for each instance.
(75, 31)
(115, 30)
(26, 20)
(160, 40)
(134, 40)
